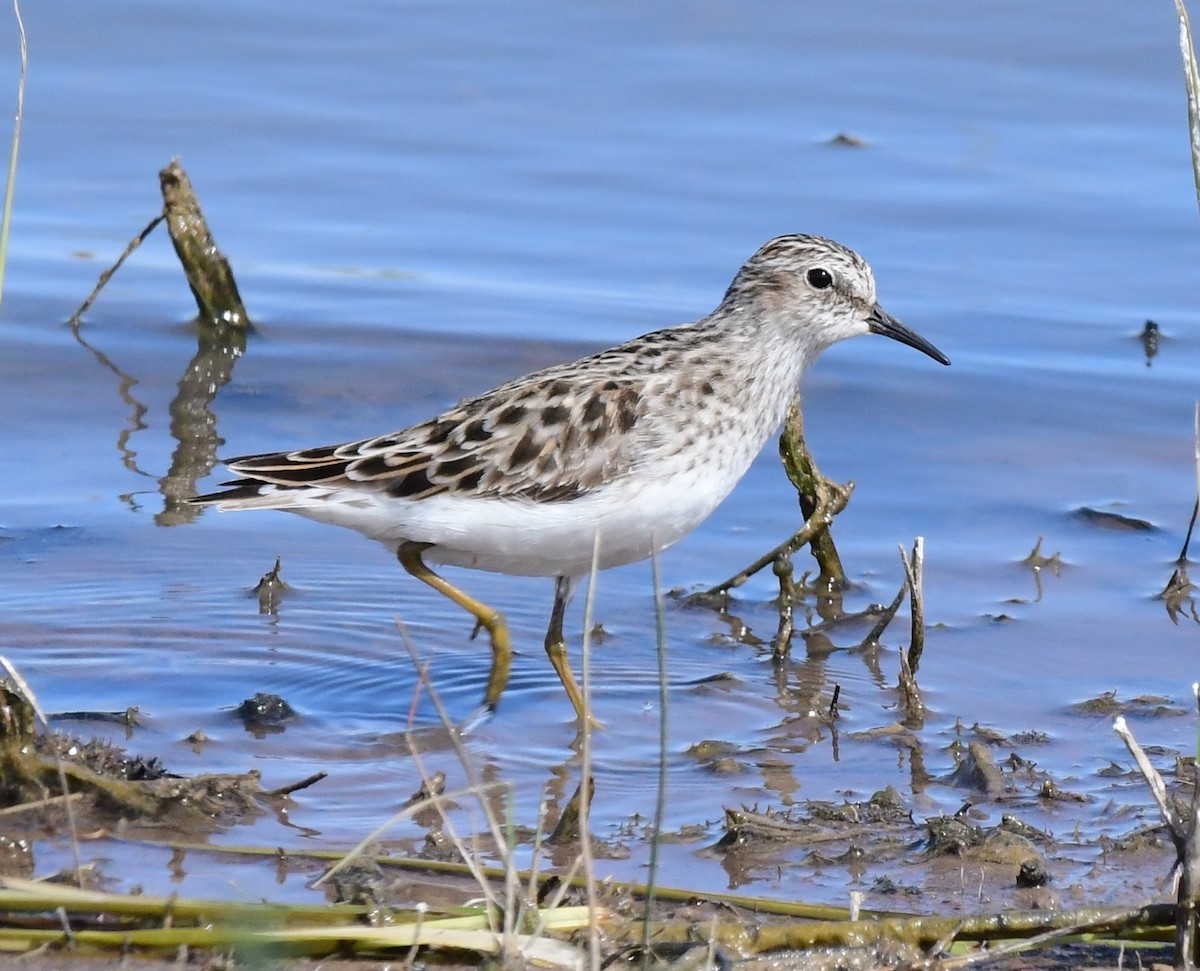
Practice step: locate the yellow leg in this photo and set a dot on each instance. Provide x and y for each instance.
(556, 650)
(491, 620)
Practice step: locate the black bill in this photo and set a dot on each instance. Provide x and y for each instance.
(881, 322)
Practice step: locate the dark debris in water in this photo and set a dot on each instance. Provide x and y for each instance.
(1150, 337)
(992, 837)
(103, 758)
(362, 882)
(819, 822)
(883, 831)
(265, 713)
(1109, 705)
(130, 717)
(978, 771)
(109, 786)
(1112, 520)
(271, 589)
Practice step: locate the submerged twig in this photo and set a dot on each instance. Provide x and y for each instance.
(208, 272)
(885, 617)
(821, 499)
(107, 274)
(915, 572)
(910, 660)
(1037, 562)
(813, 490)
(784, 570)
(569, 828)
(271, 588)
(39, 804)
(297, 786)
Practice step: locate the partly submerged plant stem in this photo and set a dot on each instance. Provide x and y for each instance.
(910, 694)
(133, 244)
(208, 272)
(813, 491)
(6, 217)
(820, 500)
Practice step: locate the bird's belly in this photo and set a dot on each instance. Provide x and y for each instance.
(629, 520)
(558, 539)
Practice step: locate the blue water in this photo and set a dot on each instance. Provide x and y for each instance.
(421, 200)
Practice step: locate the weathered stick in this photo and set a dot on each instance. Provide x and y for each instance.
(915, 571)
(820, 500)
(107, 274)
(813, 491)
(208, 272)
(1185, 834)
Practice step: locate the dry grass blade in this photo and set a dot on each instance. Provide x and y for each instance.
(1191, 77)
(660, 802)
(264, 929)
(585, 729)
(508, 943)
(471, 933)
(469, 856)
(6, 218)
(415, 807)
(19, 895)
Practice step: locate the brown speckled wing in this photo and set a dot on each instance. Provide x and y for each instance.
(547, 439)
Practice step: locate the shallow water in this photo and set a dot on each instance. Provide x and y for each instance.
(422, 200)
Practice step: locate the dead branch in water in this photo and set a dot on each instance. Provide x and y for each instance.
(208, 272)
(820, 500)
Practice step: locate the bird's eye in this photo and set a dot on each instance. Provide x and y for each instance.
(819, 278)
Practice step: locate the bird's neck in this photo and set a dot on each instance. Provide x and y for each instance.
(765, 359)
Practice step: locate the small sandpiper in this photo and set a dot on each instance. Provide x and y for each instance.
(625, 451)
